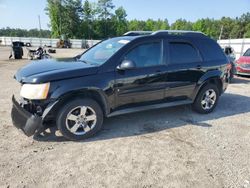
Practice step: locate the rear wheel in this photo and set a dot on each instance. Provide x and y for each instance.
(207, 99)
(80, 119)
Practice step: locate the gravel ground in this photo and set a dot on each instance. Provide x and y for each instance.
(172, 147)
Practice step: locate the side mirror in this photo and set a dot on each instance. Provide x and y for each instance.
(126, 65)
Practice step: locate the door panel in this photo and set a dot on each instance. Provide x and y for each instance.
(182, 80)
(140, 85)
(184, 70)
(145, 83)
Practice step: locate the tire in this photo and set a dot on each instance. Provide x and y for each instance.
(72, 119)
(203, 104)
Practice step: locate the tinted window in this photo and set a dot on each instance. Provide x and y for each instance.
(247, 53)
(211, 50)
(183, 53)
(146, 55)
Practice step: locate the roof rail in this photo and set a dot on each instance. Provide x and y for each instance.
(177, 32)
(135, 33)
(164, 32)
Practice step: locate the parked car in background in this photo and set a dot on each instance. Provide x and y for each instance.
(135, 72)
(229, 51)
(243, 64)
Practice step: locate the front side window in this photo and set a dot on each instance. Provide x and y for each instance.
(247, 53)
(146, 55)
(100, 53)
(181, 52)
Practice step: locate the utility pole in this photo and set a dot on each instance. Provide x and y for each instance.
(221, 31)
(40, 28)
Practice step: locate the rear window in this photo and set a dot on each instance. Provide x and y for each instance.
(181, 52)
(211, 50)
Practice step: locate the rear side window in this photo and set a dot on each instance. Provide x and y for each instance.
(181, 52)
(211, 50)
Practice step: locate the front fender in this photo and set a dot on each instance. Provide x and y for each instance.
(66, 89)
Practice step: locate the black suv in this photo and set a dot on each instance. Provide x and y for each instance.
(135, 72)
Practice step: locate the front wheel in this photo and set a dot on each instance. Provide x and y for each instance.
(80, 119)
(207, 99)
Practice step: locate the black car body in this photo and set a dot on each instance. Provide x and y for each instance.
(153, 70)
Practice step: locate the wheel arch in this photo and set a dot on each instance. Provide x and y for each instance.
(214, 77)
(94, 94)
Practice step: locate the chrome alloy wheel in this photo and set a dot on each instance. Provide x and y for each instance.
(208, 99)
(81, 120)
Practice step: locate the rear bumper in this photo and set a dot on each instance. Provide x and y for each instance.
(24, 120)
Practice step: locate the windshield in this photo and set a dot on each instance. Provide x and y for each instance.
(247, 53)
(100, 53)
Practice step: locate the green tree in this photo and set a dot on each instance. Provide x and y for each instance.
(247, 33)
(121, 24)
(161, 25)
(244, 25)
(182, 24)
(72, 21)
(133, 25)
(54, 10)
(208, 26)
(24, 33)
(87, 19)
(65, 17)
(105, 8)
(227, 24)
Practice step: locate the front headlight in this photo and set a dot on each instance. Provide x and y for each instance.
(35, 91)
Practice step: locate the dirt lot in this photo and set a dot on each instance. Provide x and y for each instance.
(172, 147)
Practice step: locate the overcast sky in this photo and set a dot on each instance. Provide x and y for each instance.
(24, 13)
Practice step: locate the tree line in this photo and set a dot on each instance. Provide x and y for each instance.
(101, 19)
(24, 32)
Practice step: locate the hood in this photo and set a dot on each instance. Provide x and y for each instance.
(51, 70)
(244, 59)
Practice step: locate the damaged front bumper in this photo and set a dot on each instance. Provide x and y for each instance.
(29, 123)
